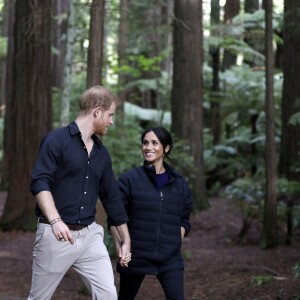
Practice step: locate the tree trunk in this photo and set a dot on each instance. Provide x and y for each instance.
(215, 58)
(187, 90)
(231, 9)
(251, 6)
(95, 50)
(122, 53)
(28, 110)
(67, 80)
(94, 68)
(290, 146)
(3, 58)
(61, 11)
(270, 213)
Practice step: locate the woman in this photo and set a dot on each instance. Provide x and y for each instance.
(159, 203)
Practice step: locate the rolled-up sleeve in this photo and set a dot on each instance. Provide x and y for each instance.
(45, 166)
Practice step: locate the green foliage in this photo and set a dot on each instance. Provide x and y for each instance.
(242, 120)
(186, 255)
(248, 195)
(295, 118)
(124, 146)
(296, 296)
(296, 270)
(181, 159)
(110, 245)
(261, 279)
(288, 187)
(3, 47)
(77, 88)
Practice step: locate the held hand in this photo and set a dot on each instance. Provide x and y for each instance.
(62, 232)
(124, 255)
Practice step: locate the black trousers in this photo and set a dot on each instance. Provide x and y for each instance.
(171, 283)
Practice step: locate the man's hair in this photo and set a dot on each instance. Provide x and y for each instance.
(97, 96)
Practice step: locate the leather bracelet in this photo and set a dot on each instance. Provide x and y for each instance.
(55, 221)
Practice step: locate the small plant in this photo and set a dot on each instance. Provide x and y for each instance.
(296, 270)
(296, 296)
(261, 279)
(249, 196)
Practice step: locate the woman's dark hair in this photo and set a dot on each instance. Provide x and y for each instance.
(163, 136)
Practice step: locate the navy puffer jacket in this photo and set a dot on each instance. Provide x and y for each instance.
(156, 216)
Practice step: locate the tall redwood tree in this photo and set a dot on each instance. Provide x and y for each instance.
(270, 211)
(290, 145)
(186, 96)
(28, 107)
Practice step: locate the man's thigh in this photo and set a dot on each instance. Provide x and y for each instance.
(51, 260)
(94, 264)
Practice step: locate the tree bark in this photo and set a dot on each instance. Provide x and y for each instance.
(3, 59)
(251, 5)
(95, 50)
(186, 95)
(122, 53)
(270, 213)
(290, 146)
(28, 110)
(67, 76)
(215, 58)
(94, 67)
(231, 9)
(60, 28)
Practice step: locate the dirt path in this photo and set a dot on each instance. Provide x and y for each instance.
(215, 267)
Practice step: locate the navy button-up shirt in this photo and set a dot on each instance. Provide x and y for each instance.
(76, 179)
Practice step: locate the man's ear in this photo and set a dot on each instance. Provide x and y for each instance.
(97, 111)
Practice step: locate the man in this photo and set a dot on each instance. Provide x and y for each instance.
(72, 170)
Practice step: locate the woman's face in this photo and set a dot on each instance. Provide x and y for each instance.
(152, 148)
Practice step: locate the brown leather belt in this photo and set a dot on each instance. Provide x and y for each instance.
(75, 227)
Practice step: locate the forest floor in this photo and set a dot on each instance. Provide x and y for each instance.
(216, 267)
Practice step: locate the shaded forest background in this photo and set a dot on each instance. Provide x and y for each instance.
(223, 76)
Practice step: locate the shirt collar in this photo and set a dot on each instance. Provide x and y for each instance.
(74, 130)
(73, 127)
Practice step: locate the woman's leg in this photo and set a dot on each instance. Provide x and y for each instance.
(172, 284)
(129, 286)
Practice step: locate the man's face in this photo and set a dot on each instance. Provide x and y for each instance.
(104, 118)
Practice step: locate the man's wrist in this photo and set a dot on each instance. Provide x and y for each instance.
(53, 221)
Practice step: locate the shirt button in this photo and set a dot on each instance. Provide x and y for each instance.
(84, 192)
(81, 207)
(86, 177)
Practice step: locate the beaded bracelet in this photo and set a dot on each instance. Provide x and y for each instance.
(55, 221)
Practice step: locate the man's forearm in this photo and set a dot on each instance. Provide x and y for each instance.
(47, 205)
(115, 236)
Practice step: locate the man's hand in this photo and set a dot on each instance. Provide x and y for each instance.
(124, 255)
(62, 232)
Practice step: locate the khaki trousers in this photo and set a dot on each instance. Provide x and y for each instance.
(88, 256)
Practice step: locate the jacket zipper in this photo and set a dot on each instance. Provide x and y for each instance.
(158, 228)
